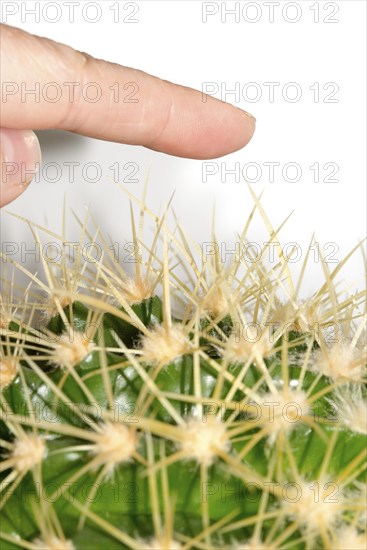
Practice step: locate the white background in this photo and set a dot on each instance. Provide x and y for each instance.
(169, 39)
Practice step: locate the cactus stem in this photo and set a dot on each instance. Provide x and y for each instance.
(193, 434)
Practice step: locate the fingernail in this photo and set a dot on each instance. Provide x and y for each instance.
(246, 114)
(20, 161)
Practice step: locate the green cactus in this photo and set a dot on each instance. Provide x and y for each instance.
(195, 404)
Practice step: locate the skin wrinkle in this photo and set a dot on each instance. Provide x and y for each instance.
(70, 120)
(165, 124)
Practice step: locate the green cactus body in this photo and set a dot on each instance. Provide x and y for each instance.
(232, 426)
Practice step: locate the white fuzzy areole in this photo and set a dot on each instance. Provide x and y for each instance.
(348, 538)
(161, 347)
(53, 543)
(302, 317)
(8, 370)
(351, 410)
(116, 444)
(203, 440)
(161, 544)
(253, 544)
(4, 320)
(251, 342)
(51, 308)
(217, 304)
(71, 349)
(316, 505)
(28, 452)
(283, 411)
(136, 291)
(341, 362)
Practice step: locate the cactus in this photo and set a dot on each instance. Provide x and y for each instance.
(192, 404)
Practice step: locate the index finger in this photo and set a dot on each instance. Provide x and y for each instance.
(76, 92)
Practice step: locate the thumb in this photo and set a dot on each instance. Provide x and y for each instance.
(20, 156)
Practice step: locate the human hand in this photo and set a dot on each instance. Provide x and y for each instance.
(166, 117)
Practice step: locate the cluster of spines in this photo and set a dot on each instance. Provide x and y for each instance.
(246, 299)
